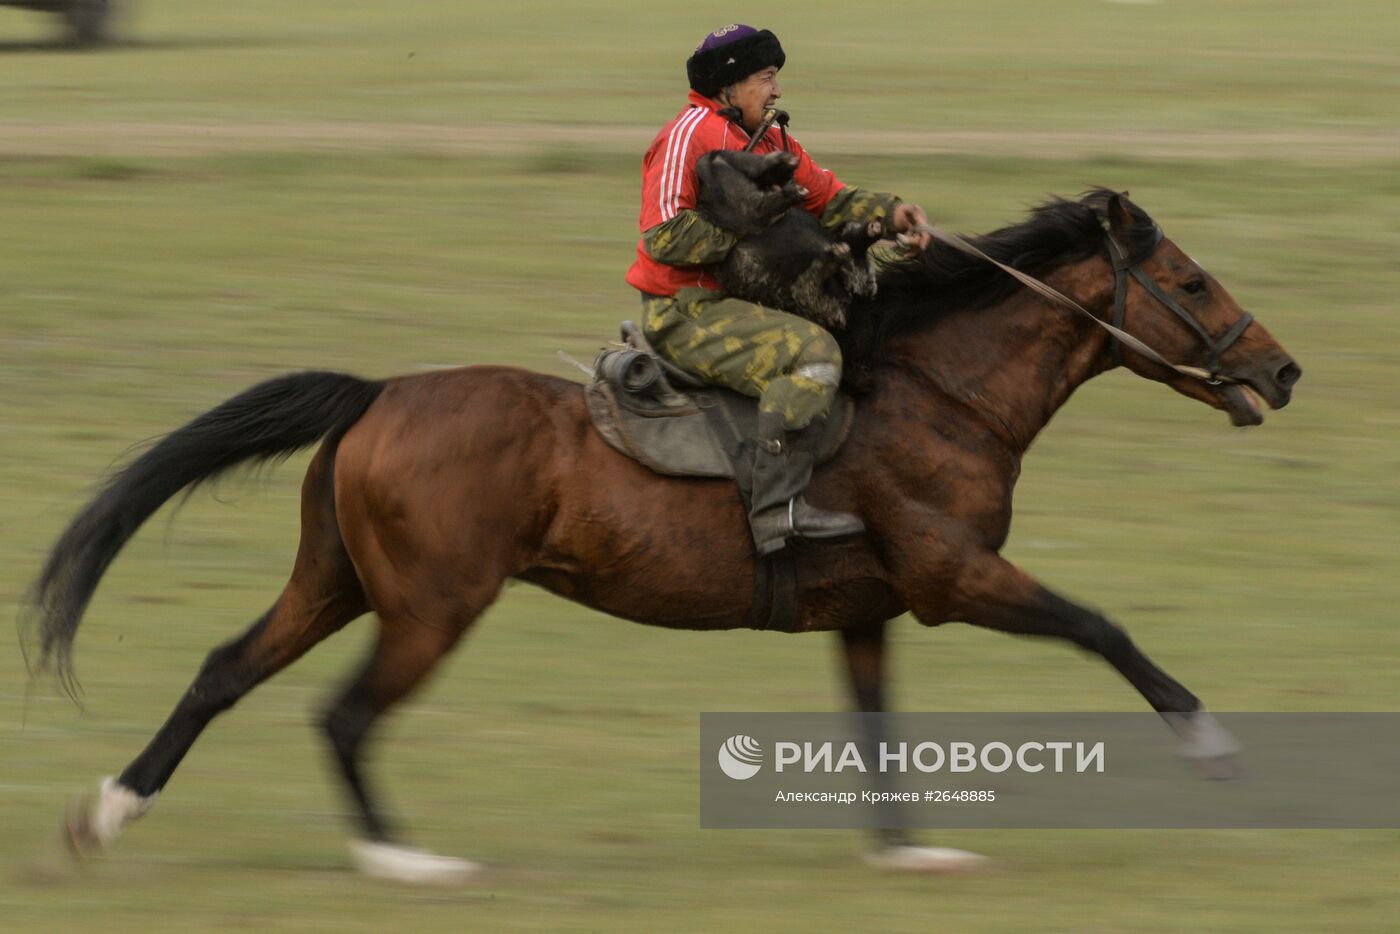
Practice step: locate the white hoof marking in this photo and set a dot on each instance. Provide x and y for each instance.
(413, 866)
(115, 807)
(936, 860)
(1202, 736)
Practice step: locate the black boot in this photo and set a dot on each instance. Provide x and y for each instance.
(781, 472)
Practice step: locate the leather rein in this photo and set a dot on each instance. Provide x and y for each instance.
(1123, 267)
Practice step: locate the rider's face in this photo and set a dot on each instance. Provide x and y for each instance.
(754, 95)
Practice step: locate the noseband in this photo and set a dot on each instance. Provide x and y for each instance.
(1123, 267)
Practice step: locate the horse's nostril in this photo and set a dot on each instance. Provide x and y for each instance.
(1288, 374)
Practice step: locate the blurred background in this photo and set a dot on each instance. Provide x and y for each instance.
(230, 191)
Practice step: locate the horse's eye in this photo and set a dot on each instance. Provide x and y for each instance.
(1194, 287)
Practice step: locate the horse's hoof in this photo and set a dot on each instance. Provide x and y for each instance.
(933, 860)
(77, 832)
(1217, 768)
(94, 822)
(1210, 748)
(410, 865)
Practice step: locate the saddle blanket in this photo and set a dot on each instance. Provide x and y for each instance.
(695, 432)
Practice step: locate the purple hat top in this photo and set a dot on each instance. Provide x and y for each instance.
(725, 35)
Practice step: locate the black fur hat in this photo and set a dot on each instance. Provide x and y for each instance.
(729, 55)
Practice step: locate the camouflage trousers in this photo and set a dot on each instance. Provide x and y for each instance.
(792, 366)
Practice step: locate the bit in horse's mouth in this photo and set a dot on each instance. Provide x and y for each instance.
(1243, 404)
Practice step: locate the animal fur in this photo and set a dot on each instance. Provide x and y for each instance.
(784, 258)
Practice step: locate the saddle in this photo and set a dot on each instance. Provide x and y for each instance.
(668, 421)
(665, 419)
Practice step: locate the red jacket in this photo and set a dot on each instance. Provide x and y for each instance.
(669, 184)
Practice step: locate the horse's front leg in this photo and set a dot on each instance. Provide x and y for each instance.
(863, 652)
(990, 591)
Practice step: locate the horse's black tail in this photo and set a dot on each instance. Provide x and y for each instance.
(267, 423)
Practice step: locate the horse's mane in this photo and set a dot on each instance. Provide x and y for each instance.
(914, 293)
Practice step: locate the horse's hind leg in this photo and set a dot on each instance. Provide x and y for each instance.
(863, 648)
(409, 646)
(322, 596)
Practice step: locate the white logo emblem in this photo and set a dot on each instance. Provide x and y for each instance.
(740, 757)
(718, 34)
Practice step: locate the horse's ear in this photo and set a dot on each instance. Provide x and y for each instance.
(1121, 215)
(1116, 212)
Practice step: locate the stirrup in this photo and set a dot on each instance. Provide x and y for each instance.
(840, 527)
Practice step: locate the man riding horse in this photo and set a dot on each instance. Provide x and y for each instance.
(791, 365)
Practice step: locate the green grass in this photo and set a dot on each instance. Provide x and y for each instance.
(559, 746)
(1187, 65)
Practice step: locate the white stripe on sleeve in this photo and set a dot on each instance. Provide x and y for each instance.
(672, 141)
(670, 202)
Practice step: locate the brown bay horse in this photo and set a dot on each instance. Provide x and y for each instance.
(430, 491)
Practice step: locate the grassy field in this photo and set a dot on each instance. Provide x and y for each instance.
(251, 188)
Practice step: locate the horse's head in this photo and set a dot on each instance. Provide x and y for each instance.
(1166, 300)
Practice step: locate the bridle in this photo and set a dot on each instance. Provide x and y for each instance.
(1123, 267)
